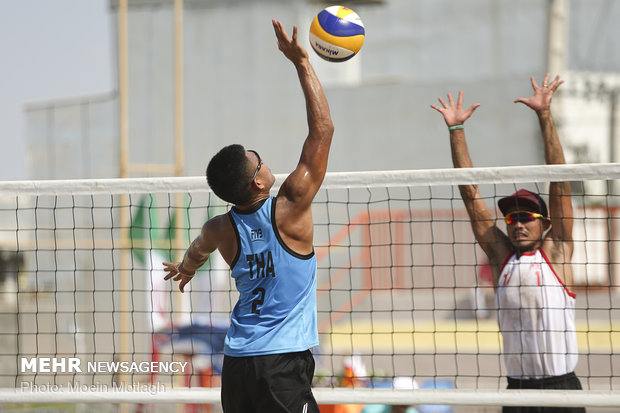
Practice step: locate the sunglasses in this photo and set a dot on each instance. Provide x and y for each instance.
(521, 216)
(260, 163)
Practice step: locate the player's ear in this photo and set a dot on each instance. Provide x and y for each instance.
(257, 183)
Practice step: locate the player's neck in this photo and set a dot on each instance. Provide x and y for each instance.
(526, 250)
(254, 203)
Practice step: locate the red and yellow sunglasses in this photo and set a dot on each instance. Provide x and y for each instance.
(521, 216)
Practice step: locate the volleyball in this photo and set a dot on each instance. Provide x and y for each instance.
(337, 33)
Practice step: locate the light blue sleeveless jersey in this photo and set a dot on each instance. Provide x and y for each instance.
(276, 311)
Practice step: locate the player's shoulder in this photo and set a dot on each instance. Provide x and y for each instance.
(500, 252)
(217, 224)
(557, 250)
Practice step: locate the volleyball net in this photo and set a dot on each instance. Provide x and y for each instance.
(405, 299)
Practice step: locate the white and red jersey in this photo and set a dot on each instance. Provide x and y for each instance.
(536, 315)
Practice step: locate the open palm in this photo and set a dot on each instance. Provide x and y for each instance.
(291, 47)
(454, 114)
(542, 95)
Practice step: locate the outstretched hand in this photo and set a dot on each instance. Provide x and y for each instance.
(542, 95)
(292, 49)
(454, 114)
(172, 268)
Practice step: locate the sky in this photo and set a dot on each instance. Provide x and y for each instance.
(50, 49)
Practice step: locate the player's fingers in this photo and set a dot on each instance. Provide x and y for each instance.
(534, 84)
(459, 101)
(169, 266)
(280, 32)
(294, 33)
(473, 107)
(183, 284)
(276, 27)
(450, 99)
(443, 103)
(556, 83)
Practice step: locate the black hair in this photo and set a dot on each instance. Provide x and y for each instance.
(228, 175)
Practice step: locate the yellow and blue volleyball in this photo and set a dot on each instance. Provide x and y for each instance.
(337, 33)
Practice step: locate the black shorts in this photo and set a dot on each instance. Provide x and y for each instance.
(269, 384)
(565, 382)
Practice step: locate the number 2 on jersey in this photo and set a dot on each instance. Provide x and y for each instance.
(259, 301)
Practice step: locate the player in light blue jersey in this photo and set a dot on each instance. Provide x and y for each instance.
(268, 244)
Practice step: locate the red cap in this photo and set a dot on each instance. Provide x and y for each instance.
(525, 199)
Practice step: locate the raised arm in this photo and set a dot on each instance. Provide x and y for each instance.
(294, 204)
(303, 183)
(491, 239)
(196, 255)
(560, 204)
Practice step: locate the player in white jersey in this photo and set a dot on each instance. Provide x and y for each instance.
(268, 244)
(530, 262)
